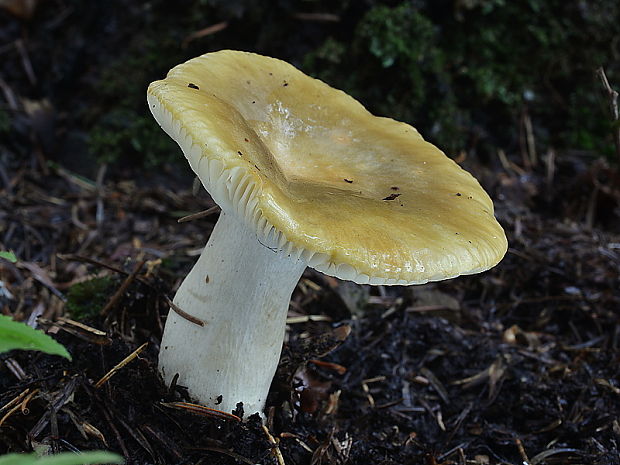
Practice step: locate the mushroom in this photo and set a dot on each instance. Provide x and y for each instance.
(305, 176)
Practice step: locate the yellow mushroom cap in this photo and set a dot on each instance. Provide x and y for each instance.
(360, 197)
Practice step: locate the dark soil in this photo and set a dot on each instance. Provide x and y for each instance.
(519, 361)
(517, 365)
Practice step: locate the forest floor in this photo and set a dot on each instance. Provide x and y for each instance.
(517, 365)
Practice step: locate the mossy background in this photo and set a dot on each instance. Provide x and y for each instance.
(464, 72)
(86, 299)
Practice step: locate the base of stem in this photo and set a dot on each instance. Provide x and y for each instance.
(241, 290)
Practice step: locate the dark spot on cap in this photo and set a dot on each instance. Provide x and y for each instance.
(391, 197)
(253, 101)
(348, 180)
(191, 85)
(394, 188)
(246, 139)
(218, 399)
(207, 279)
(284, 83)
(458, 194)
(239, 152)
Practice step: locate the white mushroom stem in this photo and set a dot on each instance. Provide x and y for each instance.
(240, 288)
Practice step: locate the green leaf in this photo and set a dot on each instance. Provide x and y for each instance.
(15, 335)
(10, 256)
(69, 458)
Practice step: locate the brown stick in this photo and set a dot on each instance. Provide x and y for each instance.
(121, 290)
(120, 365)
(201, 410)
(182, 313)
(275, 450)
(613, 106)
(172, 305)
(204, 32)
(202, 214)
(92, 261)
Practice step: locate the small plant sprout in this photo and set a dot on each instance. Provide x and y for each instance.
(305, 176)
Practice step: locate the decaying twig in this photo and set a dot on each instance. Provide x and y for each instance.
(276, 448)
(202, 214)
(15, 404)
(121, 290)
(92, 261)
(531, 160)
(291, 320)
(366, 389)
(340, 369)
(15, 368)
(204, 32)
(522, 452)
(58, 400)
(174, 307)
(77, 329)
(120, 365)
(201, 410)
(613, 106)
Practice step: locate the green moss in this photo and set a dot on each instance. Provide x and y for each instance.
(461, 72)
(123, 128)
(330, 51)
(467, 74)
(86, 299)
(398, 34)
(125, 131)
(399, 70)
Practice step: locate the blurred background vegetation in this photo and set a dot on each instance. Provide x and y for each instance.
(507, 87)
(474, 76)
